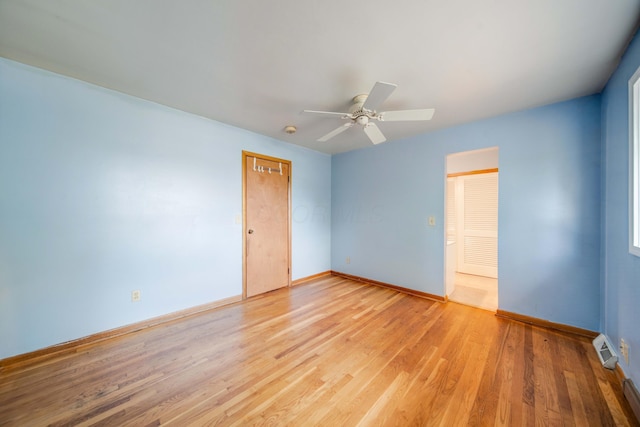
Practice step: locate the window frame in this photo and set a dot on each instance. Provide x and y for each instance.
(634, 164)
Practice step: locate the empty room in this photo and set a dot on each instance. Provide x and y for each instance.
(319, 213)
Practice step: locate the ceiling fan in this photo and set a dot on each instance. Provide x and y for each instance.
(363, 112)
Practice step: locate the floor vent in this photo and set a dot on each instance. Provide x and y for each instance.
(605, 351)
(632, 396)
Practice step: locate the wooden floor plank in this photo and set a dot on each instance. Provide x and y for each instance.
(330, 351)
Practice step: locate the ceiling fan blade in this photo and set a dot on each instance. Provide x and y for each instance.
(378, 95)
(336, 132)
(407, 115)
(326, 113)
(374, 133)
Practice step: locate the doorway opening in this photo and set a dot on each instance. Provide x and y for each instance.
(471, 244)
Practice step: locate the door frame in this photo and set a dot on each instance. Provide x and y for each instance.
(246, 154)
(473, 165)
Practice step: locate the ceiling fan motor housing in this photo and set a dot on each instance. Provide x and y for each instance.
(358, 102)
(358, 113)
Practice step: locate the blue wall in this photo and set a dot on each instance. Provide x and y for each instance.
(102, 193)
(549, 210)
(621, 285)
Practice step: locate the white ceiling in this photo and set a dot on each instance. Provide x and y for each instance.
(257, 64)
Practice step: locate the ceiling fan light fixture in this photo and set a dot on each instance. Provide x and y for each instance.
(362, 120)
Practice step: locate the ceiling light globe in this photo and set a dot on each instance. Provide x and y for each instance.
(362, 120)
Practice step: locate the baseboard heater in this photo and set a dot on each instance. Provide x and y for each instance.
(605, 351)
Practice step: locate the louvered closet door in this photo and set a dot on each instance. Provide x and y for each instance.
(477, 200)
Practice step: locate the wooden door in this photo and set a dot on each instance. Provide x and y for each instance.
(267, 219)
(477, 216)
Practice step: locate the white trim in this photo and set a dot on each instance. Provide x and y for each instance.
(634, 164)
(477, 236)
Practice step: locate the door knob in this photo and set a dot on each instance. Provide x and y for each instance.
(250, 231)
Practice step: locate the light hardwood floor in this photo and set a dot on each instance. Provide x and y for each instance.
(331, 352)
(476, 291)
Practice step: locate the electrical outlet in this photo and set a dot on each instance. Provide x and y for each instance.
(135, 296)
(624, 349)
(348, 260)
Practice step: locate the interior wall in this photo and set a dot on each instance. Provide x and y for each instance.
(102, 193)
(468, 161)
(549, 204)
(621, 278)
